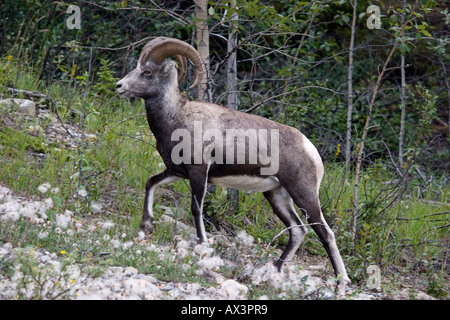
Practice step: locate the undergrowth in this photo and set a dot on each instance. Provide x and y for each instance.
(402, 227)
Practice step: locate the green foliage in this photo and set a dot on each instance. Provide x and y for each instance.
(428, 112)
(106, 83)
(38, 282)
(292, 68)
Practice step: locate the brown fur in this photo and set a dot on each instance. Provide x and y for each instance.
(297, 179)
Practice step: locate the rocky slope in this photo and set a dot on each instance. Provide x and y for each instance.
(29, 272)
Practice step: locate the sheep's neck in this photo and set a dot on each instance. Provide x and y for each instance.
(160, 115)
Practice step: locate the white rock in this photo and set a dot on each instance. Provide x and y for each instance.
(73, 272)
(3, 252)
(211, 276)
(135, 287)
(152, 292)
(23, 106)
(114, 271)
(140, 288)
(130, 271)
(363, 296)
(5, 249)
(232, 289)
(316, 267)
(150, 279)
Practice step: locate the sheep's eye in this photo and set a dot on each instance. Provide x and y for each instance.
(147, 72)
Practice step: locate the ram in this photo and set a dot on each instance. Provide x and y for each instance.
(194, 141)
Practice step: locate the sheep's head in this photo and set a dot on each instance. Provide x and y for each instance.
(154, 73)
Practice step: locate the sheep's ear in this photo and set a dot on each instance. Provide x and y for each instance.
(167, 67)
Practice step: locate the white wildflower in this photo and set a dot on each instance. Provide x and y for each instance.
(82, 193)
(277, 279)
(96, 207)
(28, 212)
(232, 289)
(43, 235)
(48, 203)
(43, 188)
(269, 274)
(182, 252)
(106, 237)
(245, 238)
(62, 220)
(12, 215)
(12, 206)
(107, 225)
(42, 207)
(213, 263)
(141, 235)
(162, 256)
(115, 243)
(55, 190)
(5, 194)
(183, 244)
(127, 245)
(185, 266)
(203, 251)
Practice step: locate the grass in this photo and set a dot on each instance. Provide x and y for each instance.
(401, 224)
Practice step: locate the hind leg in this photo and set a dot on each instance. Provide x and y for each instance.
(283, 207)
(308, 202)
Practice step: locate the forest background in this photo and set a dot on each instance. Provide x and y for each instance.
(374, 99)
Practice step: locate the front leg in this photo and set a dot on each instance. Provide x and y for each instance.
(198, 180)
(164, 177)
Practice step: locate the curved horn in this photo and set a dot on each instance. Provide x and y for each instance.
(182, 64)
(160, 48)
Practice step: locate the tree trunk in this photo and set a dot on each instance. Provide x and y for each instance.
(403, 99)
(402, 119)
(231, 63)
(363, 139)
(348, 140)
(232, 98)
(447, 84)
(201, 13)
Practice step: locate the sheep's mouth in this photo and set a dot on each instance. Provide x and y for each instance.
(124, 93)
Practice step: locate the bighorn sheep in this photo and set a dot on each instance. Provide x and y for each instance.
(206, 153)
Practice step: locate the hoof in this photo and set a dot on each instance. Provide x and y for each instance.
(342, 285)
(145, 228)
